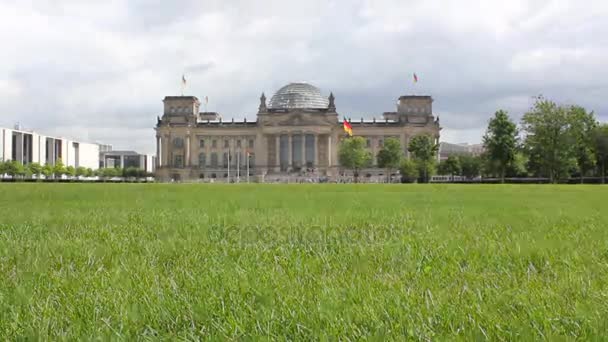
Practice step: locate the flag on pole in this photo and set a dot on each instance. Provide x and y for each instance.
(347, 128)
(183, 80)
(415, 78)
(206, 99)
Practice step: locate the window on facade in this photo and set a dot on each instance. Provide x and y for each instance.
(251, 160)
(250, 143)
(201, 176)
(202, 143)
(178, 161)
(214, 160)
(178, 142)
(368, 143)
(202, 160)
(380, 142)
(238, 143)
(213, 143)
(226, 144)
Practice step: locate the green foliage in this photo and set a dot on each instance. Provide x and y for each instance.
(352, 154)
(470, 165)
(600, 147)
(408, 170)
(500, 142)
(81, 171)
(59, 169)
(47, 171)
(423, 147)
(315, 262)
(450, 166)
(548, 140)
(3, 167)
(35, 169)
(111, 172)
(582, 126)
(517, 167)
(390, 156)
(424, 151)
(89, 172)
(70, 171)
(14, 168)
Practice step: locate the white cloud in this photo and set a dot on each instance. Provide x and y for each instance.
(102, 68)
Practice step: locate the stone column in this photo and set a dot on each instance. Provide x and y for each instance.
(290, 152)
(316, 151)
(165, 151)
(303, 148)
(277, 147)
(329, 150)
(158, 151)
(187, 161)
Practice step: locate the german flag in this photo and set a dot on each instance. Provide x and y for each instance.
(348, 128)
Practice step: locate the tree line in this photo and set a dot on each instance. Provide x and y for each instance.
(17, 170)
(552, 141)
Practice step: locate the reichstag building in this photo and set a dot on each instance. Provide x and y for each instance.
(295, 136)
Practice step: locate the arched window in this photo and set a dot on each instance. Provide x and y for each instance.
(214, 160)
(202, 160)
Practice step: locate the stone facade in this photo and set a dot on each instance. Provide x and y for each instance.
(296, 134)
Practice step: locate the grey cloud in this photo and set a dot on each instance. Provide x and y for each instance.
(103, 68)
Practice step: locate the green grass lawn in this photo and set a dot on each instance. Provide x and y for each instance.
(125, 261)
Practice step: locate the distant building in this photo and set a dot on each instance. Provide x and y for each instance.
(448, 149)
(296, 133)
(32, 147)
(127, 159)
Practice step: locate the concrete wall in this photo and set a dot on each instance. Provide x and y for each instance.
(89, 155)
(4, 146)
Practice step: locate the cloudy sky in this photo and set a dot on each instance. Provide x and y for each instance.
(98, 70)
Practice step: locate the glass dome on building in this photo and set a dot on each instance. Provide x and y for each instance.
(298, 95)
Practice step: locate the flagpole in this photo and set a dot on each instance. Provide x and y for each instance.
(247, 166)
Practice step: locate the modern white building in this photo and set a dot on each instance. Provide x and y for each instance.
(33, 147)
(127, 159)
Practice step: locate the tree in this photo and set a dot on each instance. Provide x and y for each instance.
(517, 168)
(47, 171)
(470, 165)
(35, 169)
(59, 169)
(81, 171)
(424, 150)
(582, 126)
(548, 142)
(450, 166)
(353, 155)
(3, 167)
(389, 157)
(408, 170)
(14, 168)
(600, 137)
(89, 172)
(500, 142)
(70, 171)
